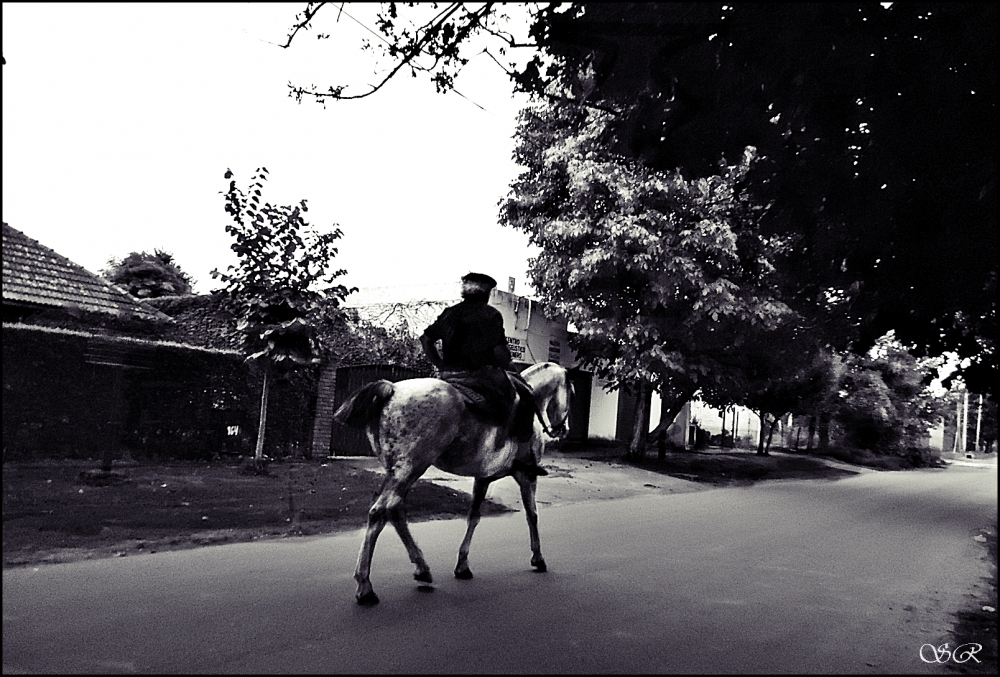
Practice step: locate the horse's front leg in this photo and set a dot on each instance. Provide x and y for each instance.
(527, 483)
(376, 522)
(478, 496)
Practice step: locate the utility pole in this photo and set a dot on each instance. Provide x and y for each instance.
(979, 420)
(958, 425)
(965, 421)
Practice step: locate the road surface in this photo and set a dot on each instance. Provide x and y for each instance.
(851, 576)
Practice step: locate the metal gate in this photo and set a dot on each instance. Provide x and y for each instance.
(347, 441)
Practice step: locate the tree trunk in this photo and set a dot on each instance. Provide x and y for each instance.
(760, 437)
(640, 426)
(812, 432)
(259, 453)
(669, 413)
(824, 431)
(770, 433)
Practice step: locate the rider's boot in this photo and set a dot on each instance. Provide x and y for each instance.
(529, 466)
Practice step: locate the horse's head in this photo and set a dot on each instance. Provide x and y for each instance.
(553, 391)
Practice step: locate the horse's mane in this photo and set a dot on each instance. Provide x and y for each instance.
(548, 384)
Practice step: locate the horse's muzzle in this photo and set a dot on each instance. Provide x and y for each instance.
(559, 431)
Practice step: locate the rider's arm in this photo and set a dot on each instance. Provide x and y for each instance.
(501, 353)
(430, 349)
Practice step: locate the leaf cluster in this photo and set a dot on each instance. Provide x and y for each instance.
(884, 401)
(661, 275)
(146, 275)
(282, 286)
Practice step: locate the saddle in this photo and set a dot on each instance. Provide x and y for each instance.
(491, 393)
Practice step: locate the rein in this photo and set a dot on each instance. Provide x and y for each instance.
(541, 418)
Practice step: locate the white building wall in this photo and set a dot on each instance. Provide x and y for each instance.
(936, 437)
(603, 411)
(531, 337)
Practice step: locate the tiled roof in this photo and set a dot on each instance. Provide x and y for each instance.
(35, 275)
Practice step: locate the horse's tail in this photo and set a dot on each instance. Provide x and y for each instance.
(365, 405)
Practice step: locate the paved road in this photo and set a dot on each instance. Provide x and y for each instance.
(850, 576)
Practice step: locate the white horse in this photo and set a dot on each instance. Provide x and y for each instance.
(417, 423)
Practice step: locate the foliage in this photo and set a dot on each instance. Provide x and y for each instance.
(146, 275)
(781, 372)
(885, 404)
(274, 290)
(875, 122)
(662, 276)
(368, 343)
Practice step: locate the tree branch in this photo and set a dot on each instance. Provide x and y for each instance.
(308, 13)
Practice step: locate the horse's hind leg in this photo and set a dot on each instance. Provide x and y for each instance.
(376, 522)
(527, 484)
(397, 513)
(389, 506)
(478, 496)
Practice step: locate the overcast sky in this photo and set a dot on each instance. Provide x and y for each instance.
(119, 121)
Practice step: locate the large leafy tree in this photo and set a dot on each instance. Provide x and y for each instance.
(885, 402)
(148, 276)
(664, 278)
(876, 124)
(282, 287)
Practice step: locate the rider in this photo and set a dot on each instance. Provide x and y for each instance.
(473, 342)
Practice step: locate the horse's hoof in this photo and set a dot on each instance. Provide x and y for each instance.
(463, 574)
(540, 566)
(423, 577)
(368, 599)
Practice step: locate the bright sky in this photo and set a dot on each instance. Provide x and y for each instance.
(119, 121)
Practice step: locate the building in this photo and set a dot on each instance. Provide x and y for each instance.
(90, 371)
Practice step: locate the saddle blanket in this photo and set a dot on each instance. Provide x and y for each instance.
(488, 392)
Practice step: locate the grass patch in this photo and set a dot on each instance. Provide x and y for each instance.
(62, 511)
(736, 468)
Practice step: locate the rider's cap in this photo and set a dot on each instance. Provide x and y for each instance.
(479, 279)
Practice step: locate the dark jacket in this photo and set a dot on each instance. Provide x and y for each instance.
(471, 335)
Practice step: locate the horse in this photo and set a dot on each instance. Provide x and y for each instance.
(416, 423)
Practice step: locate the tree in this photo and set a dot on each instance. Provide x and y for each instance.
(876, 125)
(662, 277)
(148, 276)
(776, 372)
(885, 404)
(282, 286)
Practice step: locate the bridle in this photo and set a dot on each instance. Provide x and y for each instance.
(559, 430)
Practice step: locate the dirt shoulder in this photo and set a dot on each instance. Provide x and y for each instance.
(61, 511)
(600, 474)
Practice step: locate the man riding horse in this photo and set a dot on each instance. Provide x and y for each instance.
(474, 357)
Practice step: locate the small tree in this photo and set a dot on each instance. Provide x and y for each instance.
(148, 276)
(282, 287)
